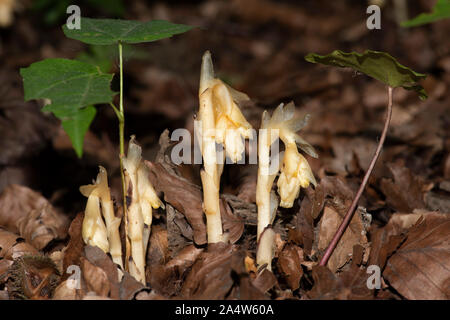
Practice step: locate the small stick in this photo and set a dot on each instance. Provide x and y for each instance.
(349, 215)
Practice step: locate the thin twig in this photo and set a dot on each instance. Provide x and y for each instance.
(121, 118)
(351, 211)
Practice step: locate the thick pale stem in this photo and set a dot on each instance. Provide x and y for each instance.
(266, 201)
(210, 175)
(263, 184)
(112, 222)
(349, 215)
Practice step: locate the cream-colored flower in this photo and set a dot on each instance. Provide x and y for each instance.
(221, 121)
(231, 127)
(295, 172)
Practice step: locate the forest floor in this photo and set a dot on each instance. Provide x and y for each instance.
(402, 224)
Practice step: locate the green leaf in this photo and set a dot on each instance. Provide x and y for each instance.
(76, 125)
(111, 31)
(72, 87)
(376, 64)
(67, 83)
(440, 11)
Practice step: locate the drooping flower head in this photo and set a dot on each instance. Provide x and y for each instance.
(295, 171)
(231, 127)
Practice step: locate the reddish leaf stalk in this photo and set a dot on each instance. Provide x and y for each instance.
(351, 211)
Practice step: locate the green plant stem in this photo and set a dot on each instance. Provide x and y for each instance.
(121, 118)
(351, 211)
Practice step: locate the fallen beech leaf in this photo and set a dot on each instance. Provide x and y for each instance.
(129, 287)
(349, 285)
(75, 246)
(28, 213)
(210, 276)
(100, 259)
(355, 234)
(420, 267)
(13, 246)
(66, 291)
(95, 277)
(289, 263)
(167, 279)
(265, 280)
(182, 195)
(406, 192)
(158, 251)
(233, 225)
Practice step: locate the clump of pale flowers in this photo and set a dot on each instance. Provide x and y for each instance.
(295, 172)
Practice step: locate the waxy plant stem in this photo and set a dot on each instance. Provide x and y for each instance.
(351, 211)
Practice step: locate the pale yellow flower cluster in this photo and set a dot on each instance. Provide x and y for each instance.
(230, 125)
(295, 172)
(94, 230)
(221, 122)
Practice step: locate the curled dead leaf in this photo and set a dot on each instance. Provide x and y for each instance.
(210, 276)
(289, 262)
(420, 267)
(28, 213)
(13, 246)
(406, 192)
(354, 235)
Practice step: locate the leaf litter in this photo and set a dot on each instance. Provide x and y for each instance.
(402, 223)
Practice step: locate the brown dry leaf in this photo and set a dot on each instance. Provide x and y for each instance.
(311, 206)
(355, 234)
(13, 246)
(74, 248)
(158, 251)
(182, 195)
(66, 290)
(129, 287)
(349, 285)
(167, 279)
(210, 276)
(95, 277)
(233, 225)
(100, 259)
(406, 192)
(265, 280)
(289, 263)
(420, 267)
(28, 213)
